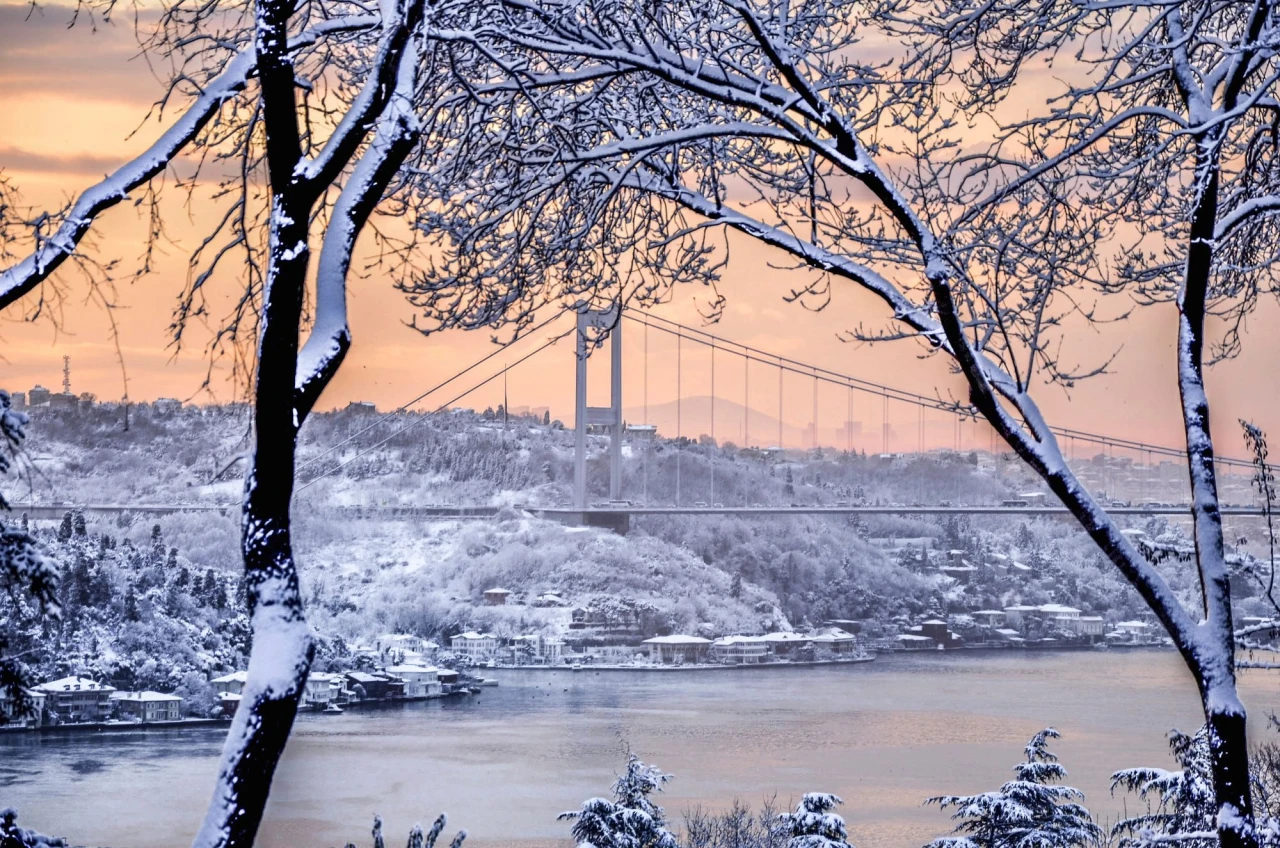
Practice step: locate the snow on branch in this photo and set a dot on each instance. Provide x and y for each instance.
(55, 247)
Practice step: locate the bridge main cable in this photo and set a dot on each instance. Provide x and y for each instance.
(437, 387)
(439, 408)
(826, 375)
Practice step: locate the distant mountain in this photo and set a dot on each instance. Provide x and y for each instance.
(691, 417)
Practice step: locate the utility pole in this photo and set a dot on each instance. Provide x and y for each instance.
(66, 375)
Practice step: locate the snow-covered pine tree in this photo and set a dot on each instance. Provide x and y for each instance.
(814, 824)
(631, 819)
(1180, 804)
(1030, 811)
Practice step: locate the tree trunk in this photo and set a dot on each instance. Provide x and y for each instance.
(1229, 752)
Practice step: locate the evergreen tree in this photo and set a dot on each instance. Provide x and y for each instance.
(172, 562)
(789, 487)
(213, 588)
(78, 525)
(546, 418)
(1180, 803)
(631, 819)
(131, 605)
(735, 586)
(1029, 811)
(157, 545)
(814, 825)
(101, 589)
(64, 529)
(78, 581)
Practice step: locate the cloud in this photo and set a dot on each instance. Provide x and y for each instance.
(13, 159)
(41, 53)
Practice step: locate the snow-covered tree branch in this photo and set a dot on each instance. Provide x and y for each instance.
(248, 65)
(602, 151)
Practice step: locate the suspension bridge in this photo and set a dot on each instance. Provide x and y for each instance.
(1130, 476)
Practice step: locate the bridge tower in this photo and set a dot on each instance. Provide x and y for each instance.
(598, 416)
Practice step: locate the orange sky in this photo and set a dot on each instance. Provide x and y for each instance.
(71, 98)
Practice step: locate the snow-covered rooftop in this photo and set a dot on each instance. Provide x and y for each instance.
(71, 684)
(144, 696)
(677, 639)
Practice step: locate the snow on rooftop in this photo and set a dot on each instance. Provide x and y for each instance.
(411, 669)
(70, 684)
(677, 639)
(144, 696)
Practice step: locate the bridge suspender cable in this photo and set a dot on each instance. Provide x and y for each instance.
(783, 363)
(439, 408)
(712, 466)
(679, 423)
(405, 406)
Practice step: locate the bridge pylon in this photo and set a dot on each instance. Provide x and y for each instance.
(598, 416)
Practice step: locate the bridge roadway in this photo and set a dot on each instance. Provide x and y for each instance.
(616, 516)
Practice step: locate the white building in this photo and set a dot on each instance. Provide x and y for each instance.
(677, 649)
(405, 643)
(835, 640)
(147, 706)
(32, 717)
(477, 646)
(230, 684)
(740, 650)
(78, 699)
(322, 689)
(419, 681)
(991, 618)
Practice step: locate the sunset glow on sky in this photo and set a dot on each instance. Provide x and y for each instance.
(72, 98)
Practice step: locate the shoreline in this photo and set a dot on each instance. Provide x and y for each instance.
(882, 655)
(110, 727)
(688, 667)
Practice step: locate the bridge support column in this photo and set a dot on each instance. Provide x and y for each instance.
(609, 416)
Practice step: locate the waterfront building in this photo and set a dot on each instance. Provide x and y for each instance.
(322, 689)
(990, 618)
(835, 640)
(147, 706)
(372, 687)
(419, 681)
(75, 699)
(784, 644)
(478, 647)
(740, 650)
(677, 649)
(33, 716)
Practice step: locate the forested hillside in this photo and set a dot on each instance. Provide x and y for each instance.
(156, 601)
